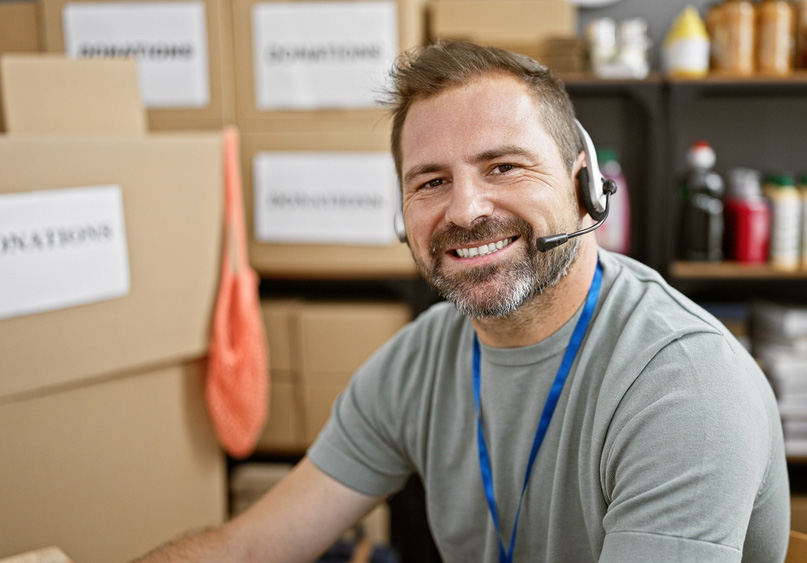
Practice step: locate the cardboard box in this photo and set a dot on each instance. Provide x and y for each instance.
(323, 261)
(171, 187)
(250, 116)
(19, 32)
(111, 451)
(336, 338)
(109, 470)
(328, 342)
(502, 22)
(798, 512)
(219, 110)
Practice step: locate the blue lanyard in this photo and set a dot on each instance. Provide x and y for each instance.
(506, 555)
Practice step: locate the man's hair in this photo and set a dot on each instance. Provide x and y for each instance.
(426, 71)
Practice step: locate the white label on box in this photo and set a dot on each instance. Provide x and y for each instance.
(325, 197)
(314, 55)
(60, 248)
(169, 40)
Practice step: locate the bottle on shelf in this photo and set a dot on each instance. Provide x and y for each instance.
(775, 37)
(702, 190)
(685, 50)
(803, 192)
(747, 218)
(731, 28)
(785, 202)
(800, 59)
(614, 234)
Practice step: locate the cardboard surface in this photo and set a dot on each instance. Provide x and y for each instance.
(110, 470)
(43, 94)
(411, 32)
(336, 338)
(221, 109)
(19, 32)
(326, 342)
(172, 196)
(310, 260)
(509, 22)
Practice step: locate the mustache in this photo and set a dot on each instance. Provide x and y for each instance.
(485, 228)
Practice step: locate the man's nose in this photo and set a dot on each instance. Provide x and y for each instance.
(469, 201)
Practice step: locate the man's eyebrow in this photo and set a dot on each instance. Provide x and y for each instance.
(485, 156)
(505, 150)
(421, 169)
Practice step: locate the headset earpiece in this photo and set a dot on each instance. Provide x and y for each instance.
(591, 183)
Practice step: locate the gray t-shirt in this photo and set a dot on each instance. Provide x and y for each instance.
(666, 444)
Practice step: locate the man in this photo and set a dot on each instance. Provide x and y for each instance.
(562, 406)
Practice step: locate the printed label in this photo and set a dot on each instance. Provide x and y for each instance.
(325, 197)
(311, 55)
(60, 248)
(169, 40)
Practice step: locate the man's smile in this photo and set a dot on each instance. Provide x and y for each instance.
(483, 250)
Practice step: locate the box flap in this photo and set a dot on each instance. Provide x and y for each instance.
(53, 94)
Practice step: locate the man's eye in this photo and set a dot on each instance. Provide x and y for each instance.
(436, 183)
(502, 168)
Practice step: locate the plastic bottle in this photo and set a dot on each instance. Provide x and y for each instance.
(686, 46)
(614, 234)
(731, 28)
(786, 204)
(632, 47)
(601, 42)
(747, 218)
(800, 59)
(775, 37)
(702, 215)
(803, 192)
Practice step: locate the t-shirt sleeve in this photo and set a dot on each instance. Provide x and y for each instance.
(689, 455)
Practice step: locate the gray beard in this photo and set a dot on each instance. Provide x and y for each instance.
(497, 290)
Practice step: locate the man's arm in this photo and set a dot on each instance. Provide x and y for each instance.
(297, 520)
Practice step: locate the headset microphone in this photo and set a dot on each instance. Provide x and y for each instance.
(593, 189)
(551, 241)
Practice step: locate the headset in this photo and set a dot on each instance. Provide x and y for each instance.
(595, 193)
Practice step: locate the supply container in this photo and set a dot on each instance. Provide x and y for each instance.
(786, 213)
(702, 189)
(731, 29)
(685, 51)
(747, 218)
(775, 37)
(803, 192)
(614, 234)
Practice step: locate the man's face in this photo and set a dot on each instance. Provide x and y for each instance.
(482, 180)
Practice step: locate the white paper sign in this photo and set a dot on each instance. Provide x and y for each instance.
(311, 55)
(60, 248)
(169, 40)
(325, 197)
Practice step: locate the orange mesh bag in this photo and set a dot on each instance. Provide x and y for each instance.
(237, 385)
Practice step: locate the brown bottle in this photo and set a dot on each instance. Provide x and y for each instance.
(731, 31)
(775, 37)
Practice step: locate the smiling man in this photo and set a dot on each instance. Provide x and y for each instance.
(559, 406)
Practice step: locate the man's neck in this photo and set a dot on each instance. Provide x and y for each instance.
(545, 313)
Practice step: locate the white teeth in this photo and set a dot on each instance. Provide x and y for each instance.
(483, 250)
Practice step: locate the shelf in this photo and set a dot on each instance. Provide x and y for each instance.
(731, 270)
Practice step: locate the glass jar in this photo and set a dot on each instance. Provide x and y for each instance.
(731, 29)
(775, 37)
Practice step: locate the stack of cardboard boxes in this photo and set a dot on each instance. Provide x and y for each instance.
(109, 450)
(108, 274)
